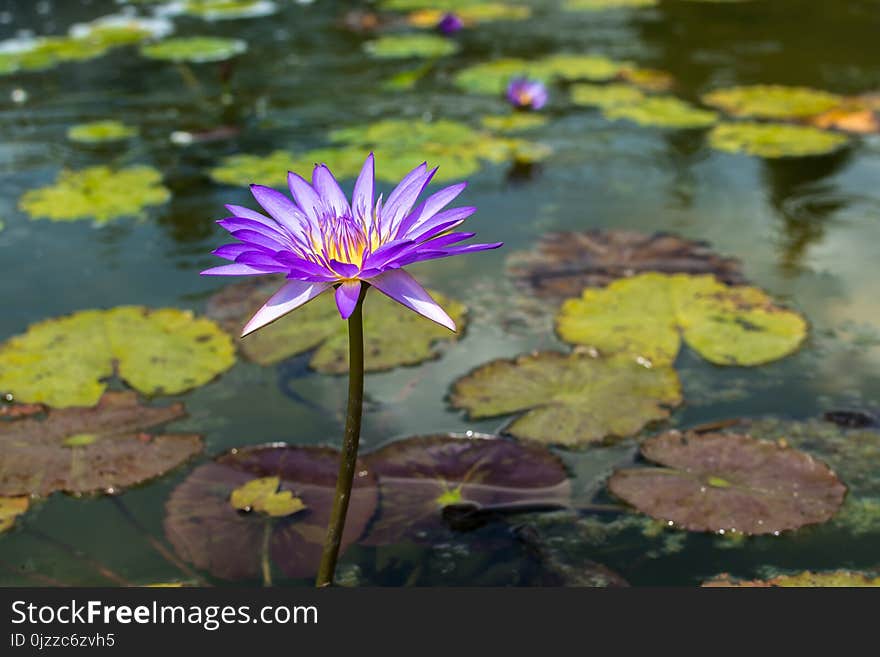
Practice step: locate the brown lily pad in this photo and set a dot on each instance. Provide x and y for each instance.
(563, 264)
(729, 483)
(91, 449)
(207, 530)
(419, 477)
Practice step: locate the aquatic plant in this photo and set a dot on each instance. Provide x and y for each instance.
(527, 94)
(450, 23)
(320, 241)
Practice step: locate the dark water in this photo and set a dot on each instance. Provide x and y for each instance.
(806, 230)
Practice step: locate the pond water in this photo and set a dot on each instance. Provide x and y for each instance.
(804, 228)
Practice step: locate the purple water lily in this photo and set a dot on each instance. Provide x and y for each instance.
(319, 241)
(527, 94)
(450, 24)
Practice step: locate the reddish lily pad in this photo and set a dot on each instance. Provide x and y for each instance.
(729, 483)
(563, 264)
(207, 530)
(87, 450)
(420, 476)
(569, 399)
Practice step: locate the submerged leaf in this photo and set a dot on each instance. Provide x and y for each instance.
(729, 483)
(569, 400)
(97, 193)
(772, 101)
(393, 335)
(420, 476)
(835, 578)
(88, 450)
(401, 46)
(563, 264)
(208, 531)
(774, 139)
(197, 49)
(11, 507)
(100, 131)
(648, 316)
(64, 361)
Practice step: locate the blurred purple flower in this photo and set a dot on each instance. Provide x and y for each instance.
(319, 241)
(527, 94)
(450, 24)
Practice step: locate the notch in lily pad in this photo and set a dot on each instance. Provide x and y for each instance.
(206, 529)
(393, 335)
(569, 399)
(649, 316)
(65, 361)
(421, 476)
(729, 483)
(98, 449)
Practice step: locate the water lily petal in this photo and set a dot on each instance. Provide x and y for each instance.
(235, 269)
(362, 197)
(282, 209)
(404, 289)
(231, 251)
(291, 296)
(328, 189)
(304, 195)
(347, 296)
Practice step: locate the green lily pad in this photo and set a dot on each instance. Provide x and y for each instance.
(121, 30)
(662, 112)
(206, 530)
(772, 140)
(771, 101)
(563, 264)
(420, 476)
(100, 131)
(514, 122)
(605, 95)
(194, 49)
(569, 400)
(262, 495)
(607, 5)
(403, 46)
(492, 77)
(767, 488)
(649, 79)
(219, 10)
(11, 508)
(99, 193)
(835, 578)
(649, 315)
(271, 169)
(64, 361)
(40, 458)
(473, 14)
(393, 335)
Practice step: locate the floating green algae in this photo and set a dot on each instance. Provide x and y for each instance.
(662, 112)
(197, 50)
(100, 131)
(772, 101)
(605, 95)
(99, 193)
(772, 140)
(403, 46)
(64, 361)
(262, 495)
(649, 316)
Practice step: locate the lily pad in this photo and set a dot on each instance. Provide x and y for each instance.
(773, 140)
(64, 361)
(219, 10)
(649, 315)
(393, 335)
(607, 5)
(563, 264)
(11, 508)
(729, 483)
(474, 14)
(208, 531)
(492, 77)
(271, 169)
(662, 112)
(605, 95)
(121, 30)
(88, 450)
(197, 50)
(404, 46)
(99, 193)
(100, 131)
(569, 399)
(853, 118)
(514, 122)
(835, 578)
(771, 101)
(420, 476)
(649, 79)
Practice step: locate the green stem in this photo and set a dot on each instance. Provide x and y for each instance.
(348, 460)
